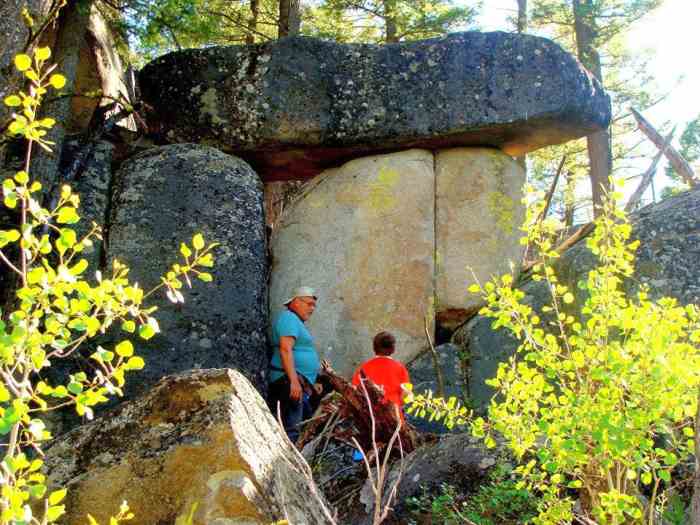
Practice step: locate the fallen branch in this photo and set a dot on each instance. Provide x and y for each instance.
(648, 175)
(579, 234)
(679, 164)
(436, 360)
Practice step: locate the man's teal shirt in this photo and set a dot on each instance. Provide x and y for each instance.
(306, 359)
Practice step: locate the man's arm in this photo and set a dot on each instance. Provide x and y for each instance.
(287, 357)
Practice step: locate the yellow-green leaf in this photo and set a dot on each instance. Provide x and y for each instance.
(53, 513)
(67, 215)
(568, 298)
(184, 250)
(135, 363)
(13, 101)
(43, 53)
(57, 496)
(206, 277)
(124, 349)
(23, 62)
(57, 81)
(198, 241)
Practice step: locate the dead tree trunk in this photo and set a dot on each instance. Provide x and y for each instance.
(648, 176)
(599, 148)
(386, 417)
(679, 164)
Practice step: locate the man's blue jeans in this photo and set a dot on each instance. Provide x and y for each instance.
(291, 412)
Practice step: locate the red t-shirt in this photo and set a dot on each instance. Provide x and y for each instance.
(387, 372)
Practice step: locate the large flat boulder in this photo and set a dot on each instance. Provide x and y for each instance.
(668, 262)
(201, 443)
(163, 197)
(295, 106)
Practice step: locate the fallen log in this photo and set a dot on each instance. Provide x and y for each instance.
(648, 176)
(679, 164)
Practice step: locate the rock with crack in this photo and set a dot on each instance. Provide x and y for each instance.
(390, 240)
(295, 106)
(202, 444)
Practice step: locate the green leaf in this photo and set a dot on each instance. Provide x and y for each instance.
(13, 101)
(67, 215)
(23, 62)
(206, 277)
(146, 331)
(135, 363)
(198, 241)
(129, 326)
(53, 513)
(124, 349)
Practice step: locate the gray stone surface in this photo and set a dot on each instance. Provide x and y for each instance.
(93, 187)
(459, 460)
(203, 438)
(294, 106)
(163, 197)
(668, 261)
(424, 378)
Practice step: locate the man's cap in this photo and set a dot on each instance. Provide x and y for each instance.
(302, 291)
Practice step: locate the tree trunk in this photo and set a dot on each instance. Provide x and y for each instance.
(252, 22)
(290, 18)
(73, 23)
(390, 21)
(599, 148)
(522, 16)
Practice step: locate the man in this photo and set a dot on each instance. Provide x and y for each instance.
(384, 370)
(295, 363)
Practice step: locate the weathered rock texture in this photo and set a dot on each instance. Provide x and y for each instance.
(478, 208)
(297, 105)
(458, 460)
(205, 438)
(668, 261)
(388, 241)
(362, 235)
(163, 197)
(424, 377)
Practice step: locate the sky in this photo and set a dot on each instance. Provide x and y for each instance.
(671, 33)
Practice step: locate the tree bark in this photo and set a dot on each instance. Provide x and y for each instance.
(599, 148)
(252, 22)
(390, 21)
(73, 23)
(290, 18)
(522, 16)
(679, 164)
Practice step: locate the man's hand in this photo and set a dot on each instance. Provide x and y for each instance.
(295, 389)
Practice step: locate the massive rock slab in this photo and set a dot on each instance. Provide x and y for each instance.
(668, 261)
(478, 212)
(203, 442)
(294, 106)
(163, 197)
(388, 241)
(362, 235)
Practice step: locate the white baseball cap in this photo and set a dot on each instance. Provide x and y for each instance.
(302, 291)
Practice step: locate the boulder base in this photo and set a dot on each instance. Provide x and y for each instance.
(203, 443)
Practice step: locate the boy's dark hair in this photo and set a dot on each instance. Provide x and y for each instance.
(384, 343)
